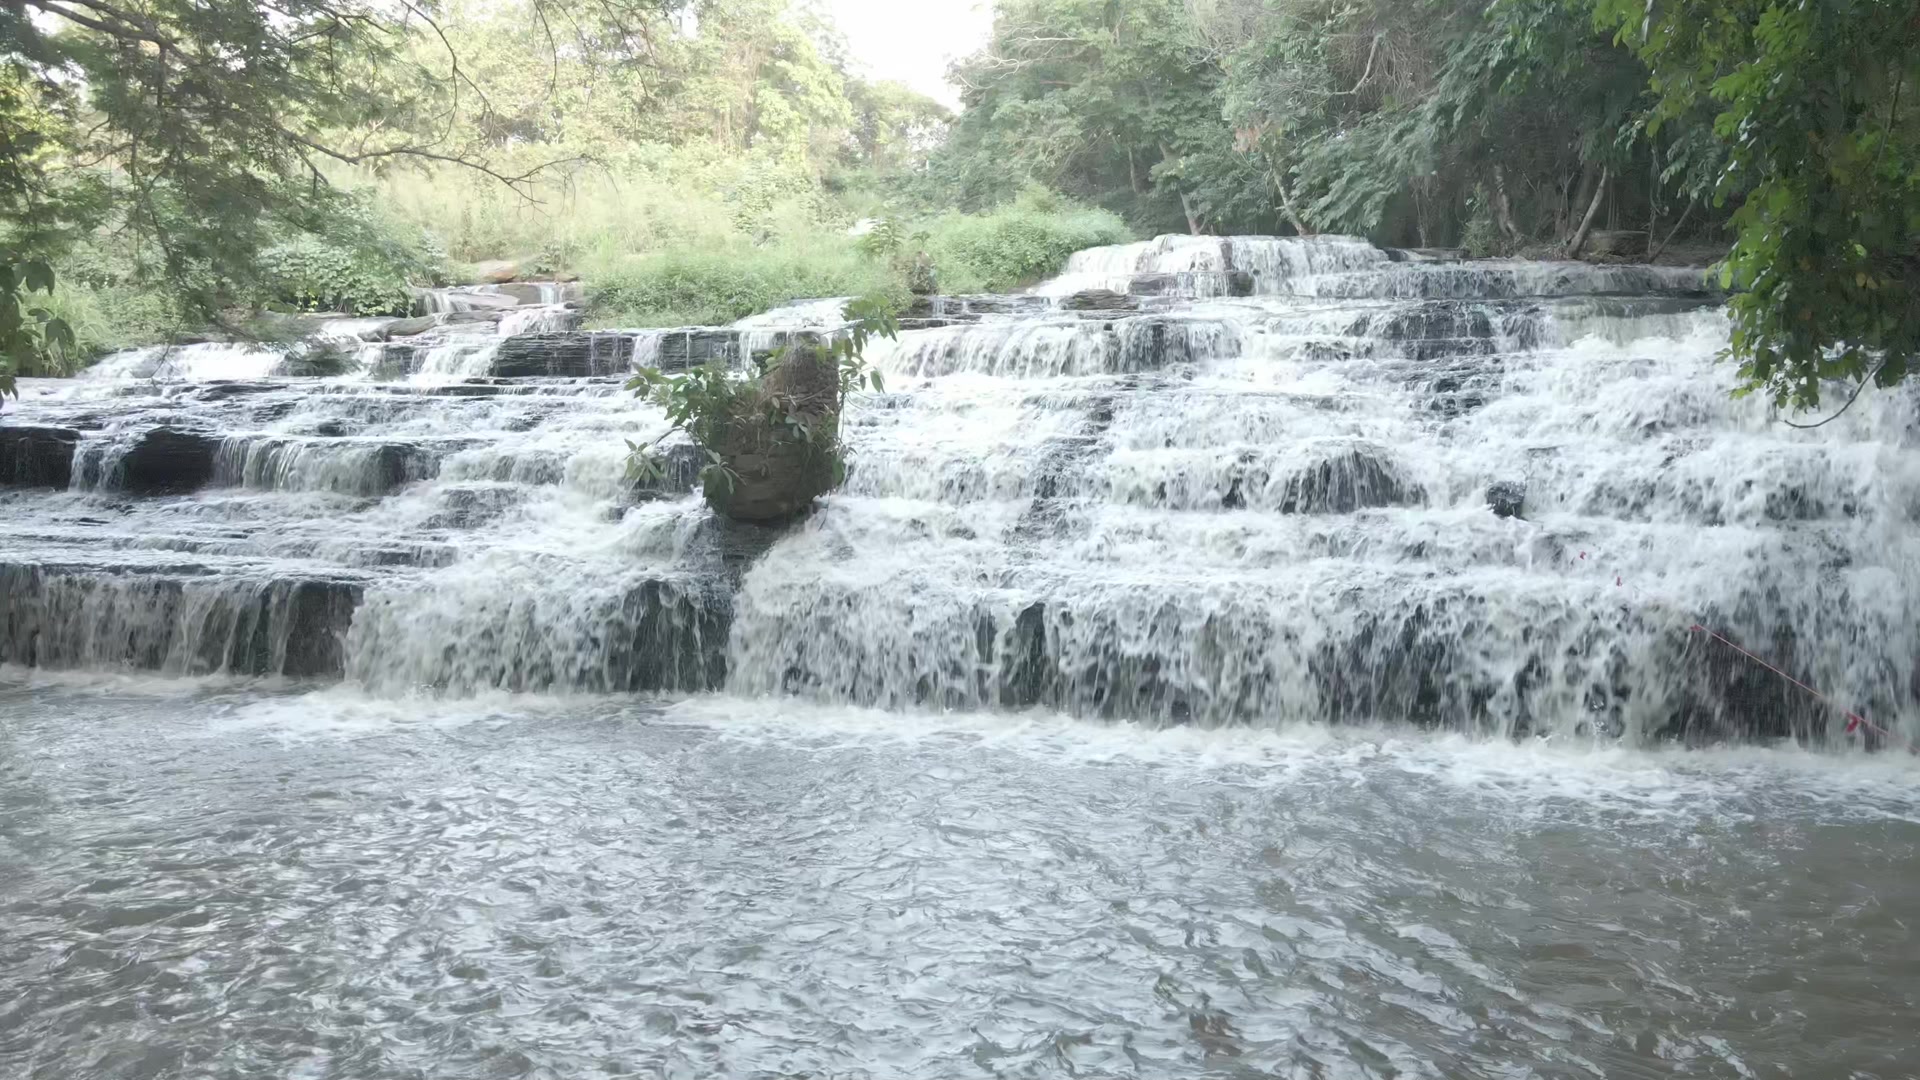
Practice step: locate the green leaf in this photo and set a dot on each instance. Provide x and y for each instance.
(38, 276)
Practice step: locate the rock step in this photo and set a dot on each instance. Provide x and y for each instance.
(179, 621)
(34, 456)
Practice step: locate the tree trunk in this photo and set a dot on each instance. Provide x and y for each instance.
(1593, 210)
(1286, 203)
(1502, 206)
(1675, 231)
(1186, 203)
(1653, 193)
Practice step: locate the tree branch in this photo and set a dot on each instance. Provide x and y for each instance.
(1857, 391)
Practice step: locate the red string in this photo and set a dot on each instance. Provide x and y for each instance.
(1854, 720)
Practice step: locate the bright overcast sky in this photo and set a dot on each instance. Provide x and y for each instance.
(913, 41)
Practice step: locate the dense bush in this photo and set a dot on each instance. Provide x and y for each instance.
(694, 287)
(110, 317)
(1017, 244)
(363, 263)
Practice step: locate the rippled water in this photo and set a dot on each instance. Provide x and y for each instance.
(224, 880)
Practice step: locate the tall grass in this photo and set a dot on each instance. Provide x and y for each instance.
(109, 318)
(693, 240)
(708, 287)
(1016, 245)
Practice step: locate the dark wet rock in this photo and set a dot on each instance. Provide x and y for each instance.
(1154, 284)
(728, 549)
(344, 466)
(399, 328)
(187, 620)
(679, 467)
(224, 389)
(694, 346)
(576, 355)
(668, 635)
(1725, 695)
(1099, 300)
(1152, 342)
(1025, 670)
(316, 362)
(32, 456)
(165, 461)
(1350, 480)
(537, 293)
(471, 506)
(1508, 498)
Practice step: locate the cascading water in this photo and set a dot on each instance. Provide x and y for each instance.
(1264, 510)
(1270, 506)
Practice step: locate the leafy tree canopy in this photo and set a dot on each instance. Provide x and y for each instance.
(1817, 108)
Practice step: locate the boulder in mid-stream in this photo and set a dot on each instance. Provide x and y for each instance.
(774, 476)
(34, 456)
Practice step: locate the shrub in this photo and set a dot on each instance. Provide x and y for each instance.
(707, 288)
(364, 263)
(1016, 245)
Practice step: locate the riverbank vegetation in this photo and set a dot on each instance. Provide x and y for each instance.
(174, 164)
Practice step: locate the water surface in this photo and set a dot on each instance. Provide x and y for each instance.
(220, 879)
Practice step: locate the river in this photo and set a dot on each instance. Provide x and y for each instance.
(1283, 664)
(212, 880)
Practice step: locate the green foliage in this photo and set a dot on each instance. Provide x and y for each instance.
(705, 402)
(1017, 244)
(706, 288)
(1106, 102)
(1818, 111)
(362, 265)
(32, 339)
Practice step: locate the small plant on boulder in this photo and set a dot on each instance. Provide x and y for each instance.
(771, 439)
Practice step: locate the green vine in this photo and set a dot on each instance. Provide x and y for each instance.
(706, 401)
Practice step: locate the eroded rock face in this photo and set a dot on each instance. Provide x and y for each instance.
(166, 461)
(32, 456)
(577, 355)
(776, 477)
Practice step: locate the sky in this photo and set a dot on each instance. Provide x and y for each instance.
(913, 41)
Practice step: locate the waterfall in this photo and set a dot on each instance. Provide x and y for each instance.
(1280, 481)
